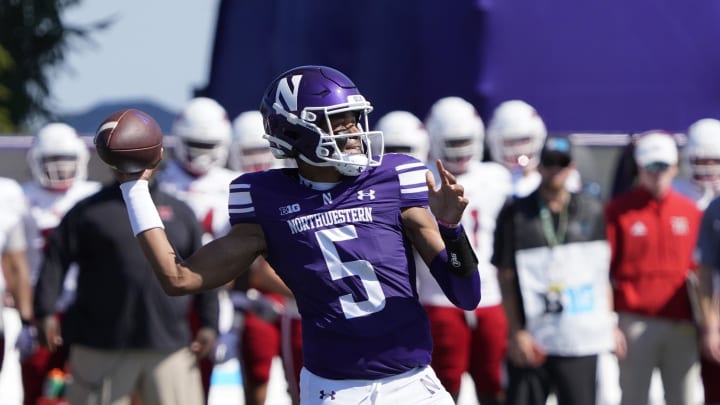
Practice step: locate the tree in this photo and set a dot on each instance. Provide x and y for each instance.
(34, 43)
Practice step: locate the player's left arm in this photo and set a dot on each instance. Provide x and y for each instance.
(443, 245)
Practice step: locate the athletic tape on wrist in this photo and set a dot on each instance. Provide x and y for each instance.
(140, 206)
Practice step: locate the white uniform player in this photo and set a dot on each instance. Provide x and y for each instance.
(58, 160)
(701, 183)
(472, 342)
(198, 175)
(12, 241)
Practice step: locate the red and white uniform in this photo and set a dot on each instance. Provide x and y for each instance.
(47, 208)
(466, 341)
(207, 195)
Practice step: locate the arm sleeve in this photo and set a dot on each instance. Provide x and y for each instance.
(462, 291)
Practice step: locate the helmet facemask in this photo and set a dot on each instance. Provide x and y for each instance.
(57, 172)
(328, 150)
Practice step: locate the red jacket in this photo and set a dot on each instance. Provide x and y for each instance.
(652, 244)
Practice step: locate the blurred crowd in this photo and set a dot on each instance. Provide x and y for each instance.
(584, 301)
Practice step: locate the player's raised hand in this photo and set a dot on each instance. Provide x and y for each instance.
(447, 202)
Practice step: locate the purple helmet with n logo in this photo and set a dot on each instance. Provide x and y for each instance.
(300, 102)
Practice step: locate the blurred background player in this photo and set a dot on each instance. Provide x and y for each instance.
(271, 321)
(16, 331)
(404, 133)
(515, 136)
(701, 183)
(468, 341)
(58, 160)
(198, 176)
(701, 163)
(198, 173)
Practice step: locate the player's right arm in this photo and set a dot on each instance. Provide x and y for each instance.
(211, 266)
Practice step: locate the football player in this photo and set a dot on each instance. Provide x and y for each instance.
(58, 160)
(338, 231)
(468, 341)
(17, 334)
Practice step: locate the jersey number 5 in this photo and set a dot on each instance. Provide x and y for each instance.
(357, 268)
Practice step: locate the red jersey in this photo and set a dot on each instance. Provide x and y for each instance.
(652, 244)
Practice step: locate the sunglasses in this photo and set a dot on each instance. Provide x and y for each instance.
(562, 161)
(656, 167)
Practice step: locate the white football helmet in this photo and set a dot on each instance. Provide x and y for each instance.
(249, 150)
(404, 133)
(516, 135)
(58, 157)
(204, 132)
(456, 133)
(702, 152)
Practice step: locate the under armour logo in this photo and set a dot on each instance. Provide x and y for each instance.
(362, 194)
(330, 395)
(454, 261)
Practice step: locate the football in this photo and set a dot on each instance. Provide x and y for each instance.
(129, 141)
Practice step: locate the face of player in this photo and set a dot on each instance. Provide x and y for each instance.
(657, 177)
(342, 124)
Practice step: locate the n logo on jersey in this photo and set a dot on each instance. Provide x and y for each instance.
(327, 198)
(286, 94)
(363, 194)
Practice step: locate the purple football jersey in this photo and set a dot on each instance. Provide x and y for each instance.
(345, 256)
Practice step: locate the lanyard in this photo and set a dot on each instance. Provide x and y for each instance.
(554, 237)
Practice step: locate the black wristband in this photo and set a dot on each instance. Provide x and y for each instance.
(26, 322)
(461, 256)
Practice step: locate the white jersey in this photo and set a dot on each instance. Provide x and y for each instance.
(694, 191)
(487, 186)
(14, 208)
(46, 209)
(207, 195)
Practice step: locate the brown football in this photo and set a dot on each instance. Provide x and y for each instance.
(129, 141)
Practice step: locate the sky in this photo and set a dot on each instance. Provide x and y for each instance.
(157, 51)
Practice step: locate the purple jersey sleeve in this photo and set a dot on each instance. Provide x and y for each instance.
(344, 254)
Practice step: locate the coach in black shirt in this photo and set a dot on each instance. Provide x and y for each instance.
(124, 333)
